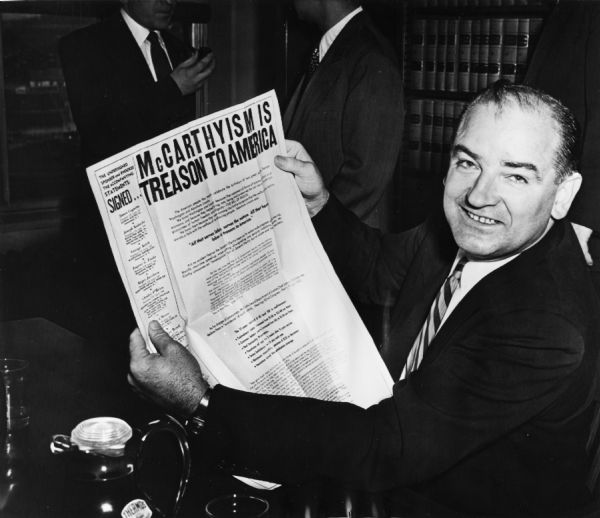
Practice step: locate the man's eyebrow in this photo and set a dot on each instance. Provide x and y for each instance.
(523, 165)
(459, 147)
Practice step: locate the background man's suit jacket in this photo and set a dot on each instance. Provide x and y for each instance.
(496, 418)
(350, 117)
(565, 64)
(116, 104)
(114, 99)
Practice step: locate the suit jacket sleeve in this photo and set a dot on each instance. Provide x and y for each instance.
(371, 265)
(372, 124)
(483, 387)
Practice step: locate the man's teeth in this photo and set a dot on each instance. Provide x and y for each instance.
(481, 219)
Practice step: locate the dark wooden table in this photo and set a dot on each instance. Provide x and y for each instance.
(71, 379)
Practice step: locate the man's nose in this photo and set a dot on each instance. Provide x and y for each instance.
(483, 192)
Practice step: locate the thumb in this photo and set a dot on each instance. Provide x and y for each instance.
(289, 164)
(159, 337)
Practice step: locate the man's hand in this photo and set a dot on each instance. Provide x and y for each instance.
(306, 174)
(583, 235)
(191, 73)
(171, 378)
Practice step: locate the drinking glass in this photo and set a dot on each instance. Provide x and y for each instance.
(237, 506)
(14, 412)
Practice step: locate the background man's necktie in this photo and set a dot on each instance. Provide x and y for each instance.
(313, 63)
(434, 319)
(162, 67)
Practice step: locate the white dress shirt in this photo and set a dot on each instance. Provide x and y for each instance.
(329, 37)
(140, 33)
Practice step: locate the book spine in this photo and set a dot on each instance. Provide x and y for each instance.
(459, 107)
(475, 45)
(484, 54)
(522, 49)
(464, 54)
(437, 136)
(448, 133)
(440, 63)
(415, 132)
(495, 56)
(452, 55)
(509, 49)
(417, 54)
(431, 53)
(427, 135)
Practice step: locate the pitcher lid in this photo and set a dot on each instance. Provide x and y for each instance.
(106, 435)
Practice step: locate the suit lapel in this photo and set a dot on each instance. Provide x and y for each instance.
(306, 100)
(480, 298)
(423, 280)
(122, 48)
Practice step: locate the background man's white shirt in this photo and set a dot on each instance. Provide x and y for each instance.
(140, 33)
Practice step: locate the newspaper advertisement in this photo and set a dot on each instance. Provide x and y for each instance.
(215, 242)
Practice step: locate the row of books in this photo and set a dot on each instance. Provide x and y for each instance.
(476, 3)
(467, 54)
(430, 130)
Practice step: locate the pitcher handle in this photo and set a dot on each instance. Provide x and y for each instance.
(170, 425)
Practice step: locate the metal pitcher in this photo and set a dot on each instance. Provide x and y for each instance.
(105, 458)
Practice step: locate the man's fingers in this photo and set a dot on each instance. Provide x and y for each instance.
(203, 68)
(189, 61)
(137, 346)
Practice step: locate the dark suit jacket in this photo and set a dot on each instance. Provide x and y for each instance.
(350, 117)
(565, 64)
(496, 418)
(114, 99)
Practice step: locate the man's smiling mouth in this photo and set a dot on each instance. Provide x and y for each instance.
(481, 219)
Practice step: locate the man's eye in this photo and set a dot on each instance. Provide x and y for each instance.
(465, 164)
(517, 178)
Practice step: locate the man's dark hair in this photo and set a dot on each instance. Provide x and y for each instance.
(503, 93)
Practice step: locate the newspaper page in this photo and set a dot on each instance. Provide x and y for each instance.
(215, 242)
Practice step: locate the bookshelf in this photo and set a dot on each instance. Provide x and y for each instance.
(451, 50)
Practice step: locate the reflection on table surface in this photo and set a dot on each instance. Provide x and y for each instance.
(71, 379)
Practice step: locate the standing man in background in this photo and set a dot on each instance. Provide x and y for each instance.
(348, 112)
(565, 64)
(348, 109)
(128, 79)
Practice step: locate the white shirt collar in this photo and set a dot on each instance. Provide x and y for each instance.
(140, 33)
(329, 37)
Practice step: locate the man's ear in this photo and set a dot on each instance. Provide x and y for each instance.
(565, 194)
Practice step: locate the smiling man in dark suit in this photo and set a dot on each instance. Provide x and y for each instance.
(348, 109)
(494, 337)
(128, 79)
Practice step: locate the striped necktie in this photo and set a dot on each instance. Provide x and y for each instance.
(434, 319)
(162, 67)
